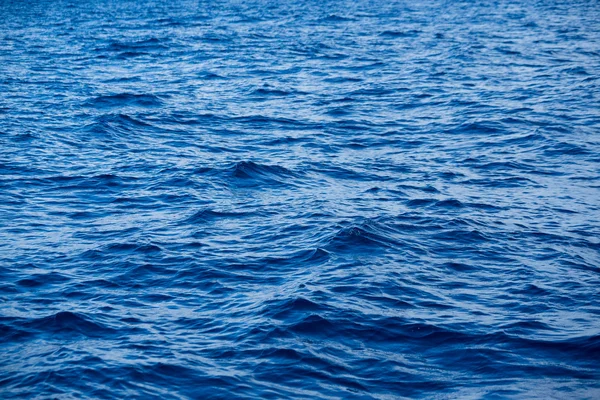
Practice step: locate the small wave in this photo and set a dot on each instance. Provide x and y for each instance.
(113, 126)
(271, 92)
(207, 215)
(566, 149)
(126, 99)
(78, 182)
(449, 203)
(461, 236)
(315, 325)
(174, 22)
(399, 34)
(67, 322)
(130, 54)
(479, 127)
(366, 234)
(292, 309)
(372, 92)
(254, 173)
(343, 79)
(132, 248)
(336, 18)
(121, 119)
(576, 71)
(501, 182)
(260, 121)
(118, 249)
(145, 45)
(39, 280)
(310, 257)
(218, 38)
(208, 75)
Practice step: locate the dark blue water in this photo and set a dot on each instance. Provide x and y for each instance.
(299, 199)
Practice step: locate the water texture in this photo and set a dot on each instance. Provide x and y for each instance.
(299, 199)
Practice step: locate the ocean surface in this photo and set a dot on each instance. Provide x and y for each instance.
(344, 199)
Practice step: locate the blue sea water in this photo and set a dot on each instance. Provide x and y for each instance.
(299, 199)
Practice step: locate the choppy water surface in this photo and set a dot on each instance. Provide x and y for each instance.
(321, 199)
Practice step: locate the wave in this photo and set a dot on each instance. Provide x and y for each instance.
(336, 18)
(150, 44)
(250, 173)
(367, 234)
(116, 126)
(271, 92)
(64, 323)
(208, 215)
(399, 34)
(125, 100)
